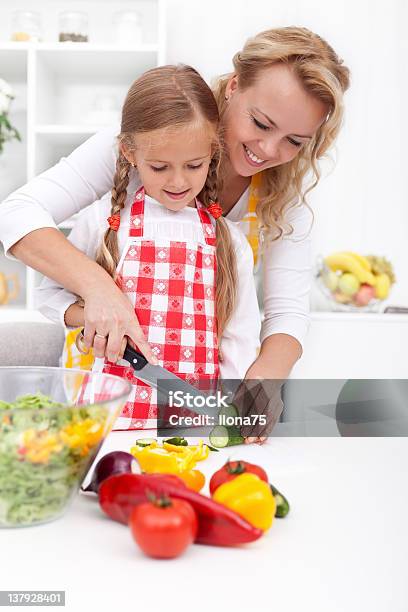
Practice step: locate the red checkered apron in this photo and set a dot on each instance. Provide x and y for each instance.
(171, 285)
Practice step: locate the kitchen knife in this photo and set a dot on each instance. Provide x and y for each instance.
(154, 375)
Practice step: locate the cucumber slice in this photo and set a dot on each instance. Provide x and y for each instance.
(229, 411)
(221, 436)
(177, 441)
(145, 441)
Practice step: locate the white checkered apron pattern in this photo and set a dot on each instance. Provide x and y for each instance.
(171, 285)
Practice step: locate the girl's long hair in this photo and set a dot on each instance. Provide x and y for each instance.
(173, 97)
(323, 75)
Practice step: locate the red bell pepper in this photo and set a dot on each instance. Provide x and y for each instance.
(217, 524)
(231, 470)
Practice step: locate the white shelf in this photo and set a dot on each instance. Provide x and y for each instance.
(13, 63)
(77, 47)
(59, 88)
(64, 135)
(69, 46)
(61, 129)
(85, 61)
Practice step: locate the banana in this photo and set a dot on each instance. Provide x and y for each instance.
(348, 263)
(361, 259)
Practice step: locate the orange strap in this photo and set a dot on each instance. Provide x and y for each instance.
(250, 221)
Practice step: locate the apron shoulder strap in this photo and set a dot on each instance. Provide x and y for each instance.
(250, 220)
(207, 224)
(137, 213)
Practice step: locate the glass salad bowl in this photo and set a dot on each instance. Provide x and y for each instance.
(52, 423)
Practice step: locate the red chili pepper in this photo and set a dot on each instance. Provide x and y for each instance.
(217, 524)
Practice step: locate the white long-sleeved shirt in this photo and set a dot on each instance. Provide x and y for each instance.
(240, 340)
(87, 174)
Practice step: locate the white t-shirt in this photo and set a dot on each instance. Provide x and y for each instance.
(87, 174)
(240, 340)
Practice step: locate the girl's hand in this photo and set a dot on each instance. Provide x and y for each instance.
(109, 321)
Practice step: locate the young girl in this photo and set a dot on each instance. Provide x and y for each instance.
(160, 234)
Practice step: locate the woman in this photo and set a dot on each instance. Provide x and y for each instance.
(281, 111)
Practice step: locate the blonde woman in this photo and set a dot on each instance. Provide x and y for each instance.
(281, 110)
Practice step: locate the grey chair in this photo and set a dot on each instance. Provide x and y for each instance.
(30, 344)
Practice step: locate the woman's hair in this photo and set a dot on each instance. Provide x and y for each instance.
(173, 97)
(322, 74)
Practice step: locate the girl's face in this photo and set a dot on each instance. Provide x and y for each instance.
(173, 163)
(270, 122)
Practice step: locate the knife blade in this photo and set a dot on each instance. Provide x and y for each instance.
(154, 375)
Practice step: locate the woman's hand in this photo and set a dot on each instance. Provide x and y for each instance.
(109, 319)
(261, 400)
(260, 391)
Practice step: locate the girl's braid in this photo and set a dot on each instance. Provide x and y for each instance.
(225, 300)
(108, 253)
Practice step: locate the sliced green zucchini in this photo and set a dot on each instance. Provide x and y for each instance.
(229, 411)
(177, 441)
(145, 441)
(221, 436)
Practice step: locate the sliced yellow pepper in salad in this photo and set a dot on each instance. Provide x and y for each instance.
(169, 458)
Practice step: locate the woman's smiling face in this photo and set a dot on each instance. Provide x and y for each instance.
(268, 123)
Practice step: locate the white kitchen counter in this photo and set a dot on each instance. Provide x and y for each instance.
(341, 549)
(354, 345)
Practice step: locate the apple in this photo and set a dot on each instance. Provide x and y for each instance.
(331, 280)
(348, 284)
(364, 295)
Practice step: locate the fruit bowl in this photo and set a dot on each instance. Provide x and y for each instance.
(354, 283)
(52, 423)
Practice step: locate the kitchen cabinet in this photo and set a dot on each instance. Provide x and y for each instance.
(65, 92)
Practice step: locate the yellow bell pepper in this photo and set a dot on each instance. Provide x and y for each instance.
(194, 479)
(154, 459)
(201, 451)
(250, 497)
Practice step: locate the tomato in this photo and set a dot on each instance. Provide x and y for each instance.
(164, 528)
(232, 469)
(194, 479)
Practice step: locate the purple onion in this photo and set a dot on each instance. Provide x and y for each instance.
(116, 462)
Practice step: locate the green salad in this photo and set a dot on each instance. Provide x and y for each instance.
(45, 450)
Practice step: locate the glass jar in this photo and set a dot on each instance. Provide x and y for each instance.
(26, 26)
(128, 28)
(73, 27)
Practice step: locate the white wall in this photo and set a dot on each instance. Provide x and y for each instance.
(362, 205)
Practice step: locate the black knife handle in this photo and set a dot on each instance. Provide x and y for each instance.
(136, 359)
